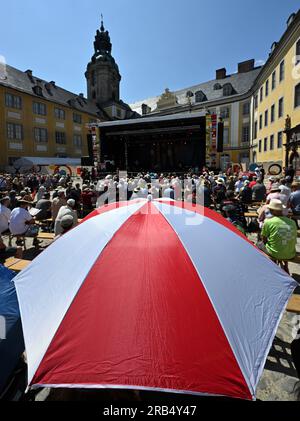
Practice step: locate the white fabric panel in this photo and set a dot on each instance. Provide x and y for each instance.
(238, 279)
(48, 286)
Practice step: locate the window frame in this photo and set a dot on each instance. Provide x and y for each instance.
(15, 101)
(58, 138)
(12, 128)
(39, 108)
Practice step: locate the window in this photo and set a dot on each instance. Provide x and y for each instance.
(260, 122)
(265, 144)
(60, 138)
(246, 134)
(256, 102)
(266, 118)
(298, 53)
(282, 71)
(279, 140)
(13, 101)
(77, 140)
(255, 130)
(273, 113)
(246, 108)
(59, 114)
(280, 108)
(228, 89)
(267, 88)
(260, 146)
(273, 80)
(272, 142)
(14, 131)
(39, 108)
(200, 96)
(77, 118)
(261, 94)
(297, 95)
(225, 112)
(40, 135)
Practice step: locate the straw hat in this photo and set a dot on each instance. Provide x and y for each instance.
(276, 205)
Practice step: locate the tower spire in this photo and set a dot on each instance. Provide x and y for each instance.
(102, 25)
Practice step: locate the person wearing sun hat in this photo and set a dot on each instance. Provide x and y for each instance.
(69, 209)
(279, 234)
(275, 194)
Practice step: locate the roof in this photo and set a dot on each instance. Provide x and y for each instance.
(241, 83)
(22, 81)
(145, 120)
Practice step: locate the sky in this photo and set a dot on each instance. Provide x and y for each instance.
(157, 44)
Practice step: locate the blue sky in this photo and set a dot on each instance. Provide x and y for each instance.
(157, 43)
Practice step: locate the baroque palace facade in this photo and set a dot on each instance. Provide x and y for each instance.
(42, 121)
(260, 106)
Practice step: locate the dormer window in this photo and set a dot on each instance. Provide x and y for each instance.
(217, 87)
(38, 90)
(200, 96)
(228, 90)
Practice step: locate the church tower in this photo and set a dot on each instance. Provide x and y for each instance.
(103, 76)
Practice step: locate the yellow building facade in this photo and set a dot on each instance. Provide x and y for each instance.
(39, 119)
(276, 96)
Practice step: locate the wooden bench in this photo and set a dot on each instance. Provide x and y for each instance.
(294, 305)
(46, 236)
(16, 264)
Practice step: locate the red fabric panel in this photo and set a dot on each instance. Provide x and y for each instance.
(143, 318)
(108, 208)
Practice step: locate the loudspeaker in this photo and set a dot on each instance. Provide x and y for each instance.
(90, 146)
(220, 141)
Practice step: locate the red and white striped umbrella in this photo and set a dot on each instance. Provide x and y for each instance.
(152, 295)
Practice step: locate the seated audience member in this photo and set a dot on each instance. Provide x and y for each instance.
(87, 201)
(44, 205)
(65, 210)
(284, 188)
(13, 201)
(240, 209)
(22, 224)
(230, 213)
(59, 201)
(169, 193)
(219, 192)
(259, 192)
(253, 182)
(276, 194)
(294, 200)
(66, 224)
(245, 194)
(279, 234)
(5, 213)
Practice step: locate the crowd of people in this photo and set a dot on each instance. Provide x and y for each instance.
(26, 200)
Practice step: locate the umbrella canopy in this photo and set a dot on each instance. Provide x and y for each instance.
(154, 295)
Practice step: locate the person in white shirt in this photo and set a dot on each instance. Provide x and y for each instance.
(64, 211)
(20, 222)
(4, 219)
(5, 213)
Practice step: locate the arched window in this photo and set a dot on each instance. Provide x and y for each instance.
(217, 87)
(200, 96)
(228, 89)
